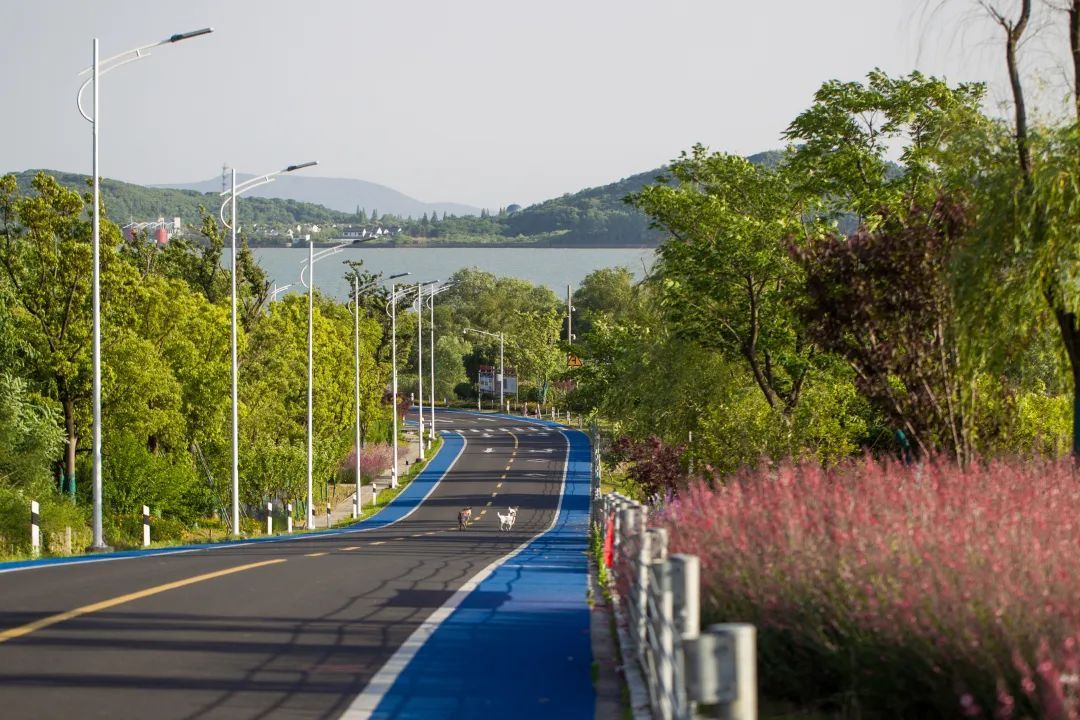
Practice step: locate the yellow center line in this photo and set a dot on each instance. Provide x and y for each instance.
(45, 622)
(318, 554)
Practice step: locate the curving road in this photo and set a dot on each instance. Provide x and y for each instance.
(300, 627)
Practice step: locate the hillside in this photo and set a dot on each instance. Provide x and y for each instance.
(340, 194)
(593, 217)
(127, 202)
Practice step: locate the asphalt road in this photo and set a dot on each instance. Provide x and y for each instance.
(282, 629)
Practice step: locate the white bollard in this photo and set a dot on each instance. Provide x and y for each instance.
(270, 518)
(288, 518)
(374, 495)
(35, 527)
(146, 526)
(327, 516)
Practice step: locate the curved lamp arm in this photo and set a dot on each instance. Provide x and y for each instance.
(254, 183)
(136, 54)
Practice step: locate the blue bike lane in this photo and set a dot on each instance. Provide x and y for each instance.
(517, 644)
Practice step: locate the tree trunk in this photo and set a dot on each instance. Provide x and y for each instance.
(67, 482)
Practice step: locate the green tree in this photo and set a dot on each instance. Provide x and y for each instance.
(728, 281)
(45, 255)
(844, 138)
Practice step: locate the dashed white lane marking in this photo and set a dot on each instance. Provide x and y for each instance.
(354, 547)
(318, 554)
(494, 494)
(364, 705)
(379, 542)
(487, 505)
(498, 486)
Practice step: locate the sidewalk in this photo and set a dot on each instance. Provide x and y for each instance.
(408, 454)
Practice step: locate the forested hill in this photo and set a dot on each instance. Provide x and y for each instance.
(127, 202)
(600, 216)
(593, 217)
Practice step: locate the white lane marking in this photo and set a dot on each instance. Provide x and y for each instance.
(489, 450)
(364, 705)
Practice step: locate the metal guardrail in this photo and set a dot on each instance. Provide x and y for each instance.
(659, 595)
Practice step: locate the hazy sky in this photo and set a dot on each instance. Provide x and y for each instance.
(486, 102)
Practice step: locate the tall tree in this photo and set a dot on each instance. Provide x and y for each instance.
(45, 254)
(728, 281)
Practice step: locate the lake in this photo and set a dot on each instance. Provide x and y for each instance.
(553, 267)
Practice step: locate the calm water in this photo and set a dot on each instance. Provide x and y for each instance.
(554, 267)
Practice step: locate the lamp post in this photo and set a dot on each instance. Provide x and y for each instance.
(502, 376)
(309, 283)
(392, 312)
(232, 225)
(420, 360)
(96, 70)
(431, 326)
(356, 346)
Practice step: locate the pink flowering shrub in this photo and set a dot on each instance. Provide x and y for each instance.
(375, 459)
(925, 591)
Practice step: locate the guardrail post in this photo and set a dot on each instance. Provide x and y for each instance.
(35, 528)
(685, 576)
(288, 518)
(146, 526)
(723, 664)
(270, 518)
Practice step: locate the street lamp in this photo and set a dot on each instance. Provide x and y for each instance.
(96, 70)
(231, 202)
(356, 344)
(502, 377)
(309, 283)
(420, 360)
(431, 304)
(391, 310)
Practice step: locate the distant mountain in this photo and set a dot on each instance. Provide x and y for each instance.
(339, 194)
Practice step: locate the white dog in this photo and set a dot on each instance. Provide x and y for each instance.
(506, 522)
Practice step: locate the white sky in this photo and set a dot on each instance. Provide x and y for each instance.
(485, 102)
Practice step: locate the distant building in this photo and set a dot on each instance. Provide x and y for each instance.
(159, 231)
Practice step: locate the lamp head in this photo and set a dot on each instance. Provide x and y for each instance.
(194, 33)
(301, 166)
